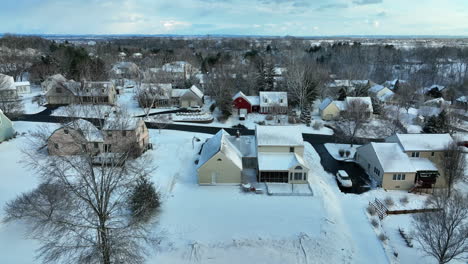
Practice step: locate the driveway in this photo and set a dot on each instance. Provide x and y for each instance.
(356, 173)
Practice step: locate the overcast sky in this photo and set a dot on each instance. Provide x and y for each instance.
(240, 17)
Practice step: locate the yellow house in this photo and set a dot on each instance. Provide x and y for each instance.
(381, 92)
(224, 158)
(330, 110)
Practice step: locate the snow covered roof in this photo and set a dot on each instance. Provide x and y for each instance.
(176, 66)
(423, 164)
(391, 158)
(347, 83)
(245, 145)
(462, 99)
(326, 102)
(22, 83)
(88, 130)
(196, 91)
(158, 90)
(178, 92)
(364, 100)
(421, 142)
(376, 88)
(273, 161)
(89, 88)
(279, 136)
(273, 98)
(6, 82)
(121, 123)
(253, 100)
(434, 86)
(217, 143)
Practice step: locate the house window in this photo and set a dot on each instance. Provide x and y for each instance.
(56, 145)
(432, 154)
(291, 149)
(298, 176)
(96, 145)
(220, 160)
(399, 177)
(376, 171)
(109, 134)
(124, 133)
(107, 147)
(415, 154)
(65, 131)
(58, 89)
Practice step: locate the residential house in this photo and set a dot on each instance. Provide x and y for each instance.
(74, 138)
(462, 102)
(405, 161)
(52, 82)
(155, 94)
(122, 135)
(7, 88)
(225, 159)
(394, 84)
(381, 92)
(176, 72)
(332, 109)
(280, 151)
(242, 101)
(82, 92)
(349, 85)
(118, 135)
(191, 97)
(6, 127)
(273, 102)
(125, 70)
(23, 87)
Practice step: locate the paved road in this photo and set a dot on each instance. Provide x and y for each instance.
(356, 173)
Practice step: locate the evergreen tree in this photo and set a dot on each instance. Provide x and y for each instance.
(342, 94)
(376, 105)
(260, 80)
(305, 115)
(144, 200)
(437, 124)
(269, 77)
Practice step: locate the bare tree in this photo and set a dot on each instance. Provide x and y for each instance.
(353, 119)
(152, 95)
(453, 165)
(80, 211)
(162, 121)
(443, 234)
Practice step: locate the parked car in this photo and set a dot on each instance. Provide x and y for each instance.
(344, 179)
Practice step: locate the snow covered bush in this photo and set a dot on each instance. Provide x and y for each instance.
(389, 201)
(269, 117)
(382, 237)
(404, 200)
(144, 200)
(317, 125)
(375, 222)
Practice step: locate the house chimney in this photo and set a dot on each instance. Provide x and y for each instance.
(238, 134)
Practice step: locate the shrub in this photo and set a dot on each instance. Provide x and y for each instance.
(212, 107)
(404, 200)
(382, 237)
(389, 201)
(144, 200)
(375, 222)
(260, 123)
(341, 152)
(317, 125)
(371, 210)
(269, 117)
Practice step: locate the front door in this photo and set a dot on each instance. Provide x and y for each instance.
(214, 176)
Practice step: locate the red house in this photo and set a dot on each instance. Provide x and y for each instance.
(241, 101)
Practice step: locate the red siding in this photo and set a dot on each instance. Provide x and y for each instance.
(241, 103)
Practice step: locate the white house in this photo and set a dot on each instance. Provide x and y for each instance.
(7, 88)
(23, 87)
(271, 102)
(280, 154)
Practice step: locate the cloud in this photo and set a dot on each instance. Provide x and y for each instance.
(170, 25)
(367, 2)
(331, 6)
(382, 14)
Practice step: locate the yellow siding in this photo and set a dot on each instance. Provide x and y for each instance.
(228, 172)
(330, 112)
(389, 184)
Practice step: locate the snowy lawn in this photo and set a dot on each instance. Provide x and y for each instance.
(334, 150)
(31, 107)
(222, 224)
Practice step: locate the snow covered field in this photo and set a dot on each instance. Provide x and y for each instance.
(222, 224)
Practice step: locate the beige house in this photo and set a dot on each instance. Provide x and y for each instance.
(428, 146)
(52, 81)
(280, 154)
(405, 161)
(128, 135)
(7, 88)
(71, 92)
(74, 138)
(191, 97)
(123, 135)
(332, 109)
(225, 158)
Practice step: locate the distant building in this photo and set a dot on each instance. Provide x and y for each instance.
(82, 92)
(52, 82)
(273, 102)
(6, 127)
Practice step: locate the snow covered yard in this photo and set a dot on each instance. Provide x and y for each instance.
(222, 224)
(31, 107)
(334, 150)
